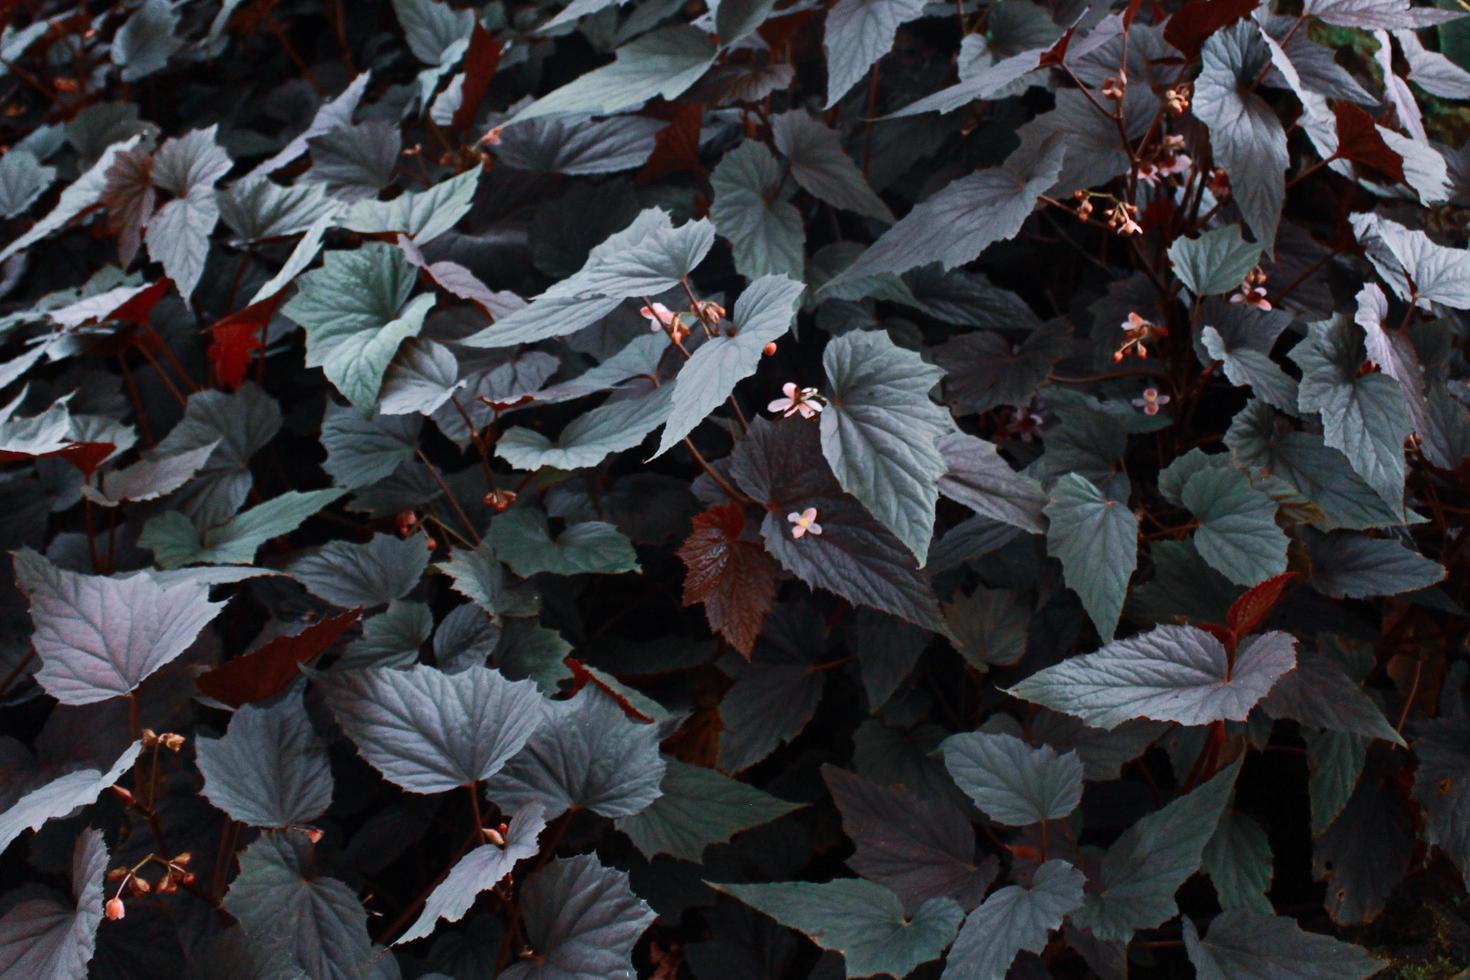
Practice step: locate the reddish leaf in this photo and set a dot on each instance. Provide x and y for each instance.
(1057, 53)
(676, 146)
(735, 579)
(480, 64)
(269, 670)
(1188, 29)
(1249, 611)
(1358, 140)
(138, 309)
(85, 456)
(777, 32)
(236, 339)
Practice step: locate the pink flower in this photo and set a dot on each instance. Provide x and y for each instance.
(659, 316)
(804, 523)
(805, 401)
(1151, 401)
(1253, 296)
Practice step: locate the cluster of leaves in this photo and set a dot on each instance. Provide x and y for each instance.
(497, 489)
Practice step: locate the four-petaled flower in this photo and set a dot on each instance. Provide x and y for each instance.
(1151, 401)
(805, 401)
(1253, 290)
(804, 523)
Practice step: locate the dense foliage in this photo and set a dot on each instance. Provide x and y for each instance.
(807, 490)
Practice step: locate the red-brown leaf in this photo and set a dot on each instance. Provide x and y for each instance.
(1358, 140)
(269, 670)
(735, 579)
(1188, 29)
(676, 146)
(236, 339)
(1249, 611)
(480, 64)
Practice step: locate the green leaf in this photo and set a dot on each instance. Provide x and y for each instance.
(1096, 540)
(363, 575)
(977, 476)
(269, 769)
(392, 638)
(699, 807)
(582, 920)
(362, 450)
(1247, 945)
(764, 312)
(588, 754)
(356, 311)
(1238, 861)
(431, 732)
(957, 224)
(1336, 761)
(175, 541)
(983, 369)
(648, 257)
(156, 474)
(283, 902)
(478, 871)
(1145, 867)
(145, 43)
(1355, 566)
(614, 426)
(422, 215)
(257, 208)
(1237, 531)
(1417, 268)
(1319, 692)
(989, 626)
(1251, 367)
(822, 167)
(521, 538)
(575, 146)
(1442, 787)
(1014, 919)
(781, 465)
(432, 28)
(1364, 415)
(40, 937)
(1011, 782)
(22, 180)
(1216, 262)
(738, 18)
(178, 233)
(1246, 135)
(1322, 475)
(921, 849)
(100, 636)
(880, 432)
(479, 577)
(1172, 673)
(752, 209)
(858, 33)
(662, 63)
(862, 921)
(423, 376)
(32, 798)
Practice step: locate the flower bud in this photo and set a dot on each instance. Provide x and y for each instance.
(115, 908)
(769, 349)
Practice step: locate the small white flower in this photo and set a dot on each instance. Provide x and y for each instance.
(804, 523)
(804, 401)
